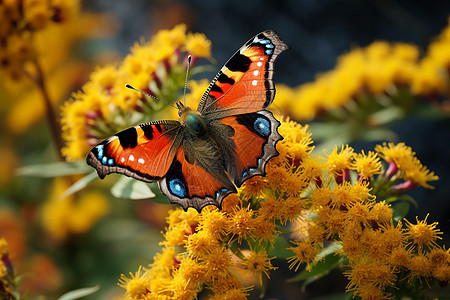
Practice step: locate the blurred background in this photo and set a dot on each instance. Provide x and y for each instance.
(124, 234)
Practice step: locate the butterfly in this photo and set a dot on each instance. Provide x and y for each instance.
(202, 158)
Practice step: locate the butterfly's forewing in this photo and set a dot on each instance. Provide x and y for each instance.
(144, 152)
(244, 84)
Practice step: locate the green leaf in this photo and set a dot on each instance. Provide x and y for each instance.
(54, 169)
(159, 197)
(127, 187)
(79, 293)
(387, 115)
(330, 249)
(378, 134)
(319, 270)
(280, 248)
(322, 267)
(404, 198)
(79, 185)
(400, 210)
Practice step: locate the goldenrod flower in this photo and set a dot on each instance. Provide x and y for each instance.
(419, 265)
(241, 223)
(203, 250)
(423, 234)
(304, 252)
(367, 165)
(137, 285)
(258, 263)
(406, 162)
(62, 217)
(198, 45)
(340, 162)
(432, 75)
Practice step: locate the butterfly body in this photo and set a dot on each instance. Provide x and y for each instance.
(202, 158)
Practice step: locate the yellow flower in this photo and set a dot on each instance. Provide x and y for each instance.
(405, 160)
(64, 216)
(3, 247)
(200, 244)
(198, 45)
(419, 265)
(367, 165)
(380, 213)
(217, 264)
(258, 263)
(241, 223)
(304, 252)
(232, 294)
(423, 234)
(137, 285)
(264, 230)
(213, 221)
(192, 270)
(338, 162)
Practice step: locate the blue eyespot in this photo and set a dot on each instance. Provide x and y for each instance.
(268, 51)
(100, 151)
(177, 187)
(110, 161)
(224, 190)
(244, 174)
(262, 126)
(270, 46)
(252, 169)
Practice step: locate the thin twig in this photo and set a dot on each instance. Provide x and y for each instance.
(52, 119)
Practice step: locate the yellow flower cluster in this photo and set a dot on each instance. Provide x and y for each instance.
(367, 75)
(211, 249)
(104, 106)
(62, 217)
(19, 22)
(433, 76)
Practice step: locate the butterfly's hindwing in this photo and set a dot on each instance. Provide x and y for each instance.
(254, 142)
(189, 185)
(143, 152)
(245, 83)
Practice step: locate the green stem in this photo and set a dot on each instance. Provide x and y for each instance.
(52, 119)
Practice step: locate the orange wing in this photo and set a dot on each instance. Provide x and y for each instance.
(190, 185)
(245, 83)
(144, 152)
(255, 138)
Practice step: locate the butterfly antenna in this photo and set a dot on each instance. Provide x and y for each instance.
(185, 82)
(146, 94)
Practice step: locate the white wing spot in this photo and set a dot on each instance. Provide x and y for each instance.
(256, 72)
(141, 160)
(122, 159)
(131, 157)
(261, 58)
(254, 82)
(259, 64)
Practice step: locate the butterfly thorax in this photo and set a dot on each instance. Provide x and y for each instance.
(191, 119)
